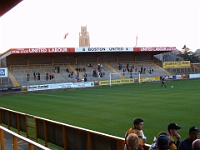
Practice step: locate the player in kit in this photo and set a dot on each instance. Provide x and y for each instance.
(162, 79)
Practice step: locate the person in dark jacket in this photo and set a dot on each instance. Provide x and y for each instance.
(186, 144)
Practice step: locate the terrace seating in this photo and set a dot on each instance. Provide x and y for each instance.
(5, 82)
(20, 71)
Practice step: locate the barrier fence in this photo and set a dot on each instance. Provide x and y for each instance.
(14, 144)
(60, 134)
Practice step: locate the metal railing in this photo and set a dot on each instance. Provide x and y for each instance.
(16, 141)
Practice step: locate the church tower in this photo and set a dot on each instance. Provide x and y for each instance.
(84, 39)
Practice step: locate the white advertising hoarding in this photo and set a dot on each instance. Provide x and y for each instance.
(60, 86)
(104, 49)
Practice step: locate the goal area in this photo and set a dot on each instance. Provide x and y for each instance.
(124, 77)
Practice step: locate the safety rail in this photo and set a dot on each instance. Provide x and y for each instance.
(16, 139)
(60, 134)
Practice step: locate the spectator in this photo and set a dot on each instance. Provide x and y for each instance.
(85, 77)
(84, 69)
(28, 77)
(34, 74)
(47, 76)
(58, 69)
(132, 142)
(38, 75)
(127, 66)
(85, 74)
(196, 144)
(144, 70)
(72, 74)
(186, 144)
(154, 145)
(173, 132)
(99, 67)
(138, 124)
(89, 65)
(55, 69)
(163, 142)
(52, 76)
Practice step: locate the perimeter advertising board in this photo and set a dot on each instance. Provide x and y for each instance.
(119, 81)
(10, 89)
(59, 86)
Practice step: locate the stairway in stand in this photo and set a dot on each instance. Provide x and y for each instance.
(12, 78)
(113, 70)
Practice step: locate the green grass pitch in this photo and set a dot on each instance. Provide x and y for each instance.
(112, 109)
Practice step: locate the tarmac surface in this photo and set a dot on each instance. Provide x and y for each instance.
(22, 145)
(8, 143)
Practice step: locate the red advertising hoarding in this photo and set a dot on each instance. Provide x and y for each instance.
(153, 49)
(42, 50)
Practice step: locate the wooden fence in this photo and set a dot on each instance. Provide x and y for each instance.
(66, 136)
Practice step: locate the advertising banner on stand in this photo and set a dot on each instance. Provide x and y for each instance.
(3, 72)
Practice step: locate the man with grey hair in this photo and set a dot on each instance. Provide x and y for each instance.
(196, 144)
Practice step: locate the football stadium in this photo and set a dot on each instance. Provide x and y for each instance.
(86, 98)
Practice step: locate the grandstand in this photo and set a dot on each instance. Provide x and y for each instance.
(41, 66)
(73, 64)
(33, 66)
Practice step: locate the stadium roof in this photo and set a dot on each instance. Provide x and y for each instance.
(7, 5)
(64, 50)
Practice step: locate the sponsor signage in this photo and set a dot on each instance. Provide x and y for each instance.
(10, 89)
(176, 64)
(104, 49)
(193, 76)
(148, 79)
(150, 49)
(42, 50)
(60, 86)
(88, 49)
(119, 81)
(3, 72)
(179, 77)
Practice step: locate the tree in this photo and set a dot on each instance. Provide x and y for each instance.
(188, 55)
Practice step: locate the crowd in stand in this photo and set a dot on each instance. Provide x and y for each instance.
(131, 69)
(96, 73)
(166, 140)
(50, 76)
(37, 76)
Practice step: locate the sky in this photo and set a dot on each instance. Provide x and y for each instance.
(110, 23)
